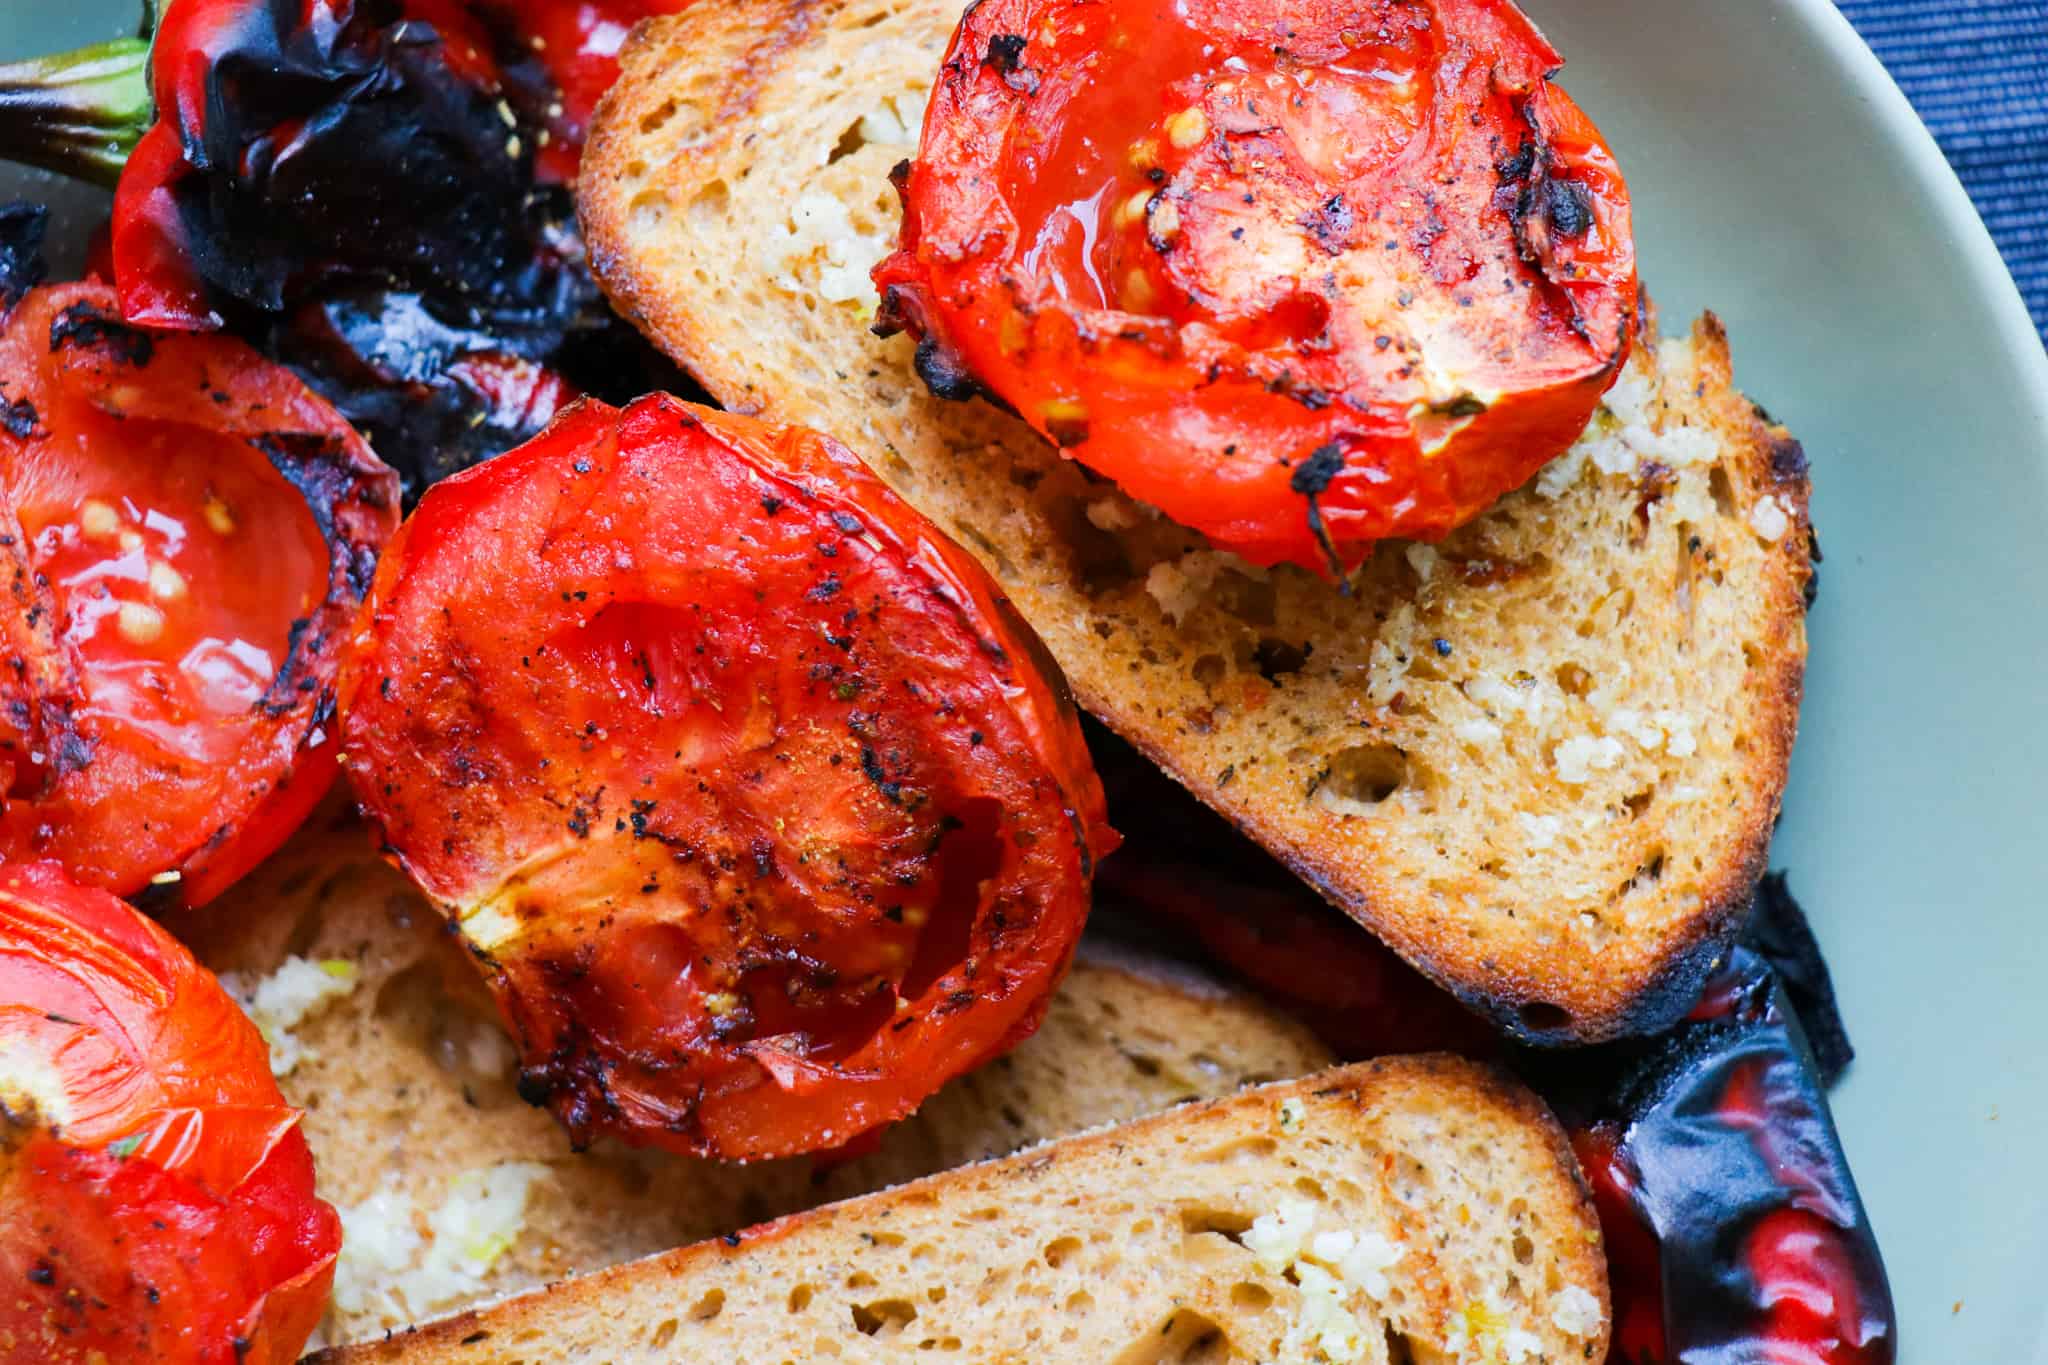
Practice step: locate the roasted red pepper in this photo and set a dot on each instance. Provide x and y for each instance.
(376, 192)
(1734, 1232)
(1724, 1193)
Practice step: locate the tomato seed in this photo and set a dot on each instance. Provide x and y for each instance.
(139, 623)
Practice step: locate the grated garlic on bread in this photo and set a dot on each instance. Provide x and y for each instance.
(1417, 1210)
(453, 1191)
(1540, 759)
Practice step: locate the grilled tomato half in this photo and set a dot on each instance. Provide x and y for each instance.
(186, 531)
(1301, 276)
(156, 1195)
(764, 814)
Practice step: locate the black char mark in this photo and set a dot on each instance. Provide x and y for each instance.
(1311, 477)
(1006, 57)
(86, 326)
(22, 268)
(18, 418)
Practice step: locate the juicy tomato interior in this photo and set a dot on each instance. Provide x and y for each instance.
(1302, 277)
(156, 1195)
(143, 531)
(189, 530)
(761, 811)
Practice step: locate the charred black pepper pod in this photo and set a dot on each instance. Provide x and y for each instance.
(376, 148)
(356, 188)
(22, 226)
(1733, 1222)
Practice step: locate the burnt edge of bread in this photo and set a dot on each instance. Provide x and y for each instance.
(1655, 987)
(1675, 975)
(470, 1333)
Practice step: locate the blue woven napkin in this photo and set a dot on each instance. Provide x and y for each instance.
(1977, 71)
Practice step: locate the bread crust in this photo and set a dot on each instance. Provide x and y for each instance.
(678, 187)
(1378, 1109)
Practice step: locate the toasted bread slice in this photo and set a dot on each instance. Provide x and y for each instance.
(1541, 759)
(454, 1191)
(1414, 1209)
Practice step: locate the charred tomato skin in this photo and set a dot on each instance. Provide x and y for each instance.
(1303, 278)
(186, 531)
(762, 812)
(156, 1195)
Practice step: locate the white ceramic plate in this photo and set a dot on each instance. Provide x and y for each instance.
(1781, 179)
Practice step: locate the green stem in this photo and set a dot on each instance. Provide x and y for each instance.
(77, 113)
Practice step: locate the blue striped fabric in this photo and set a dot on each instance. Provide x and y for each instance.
(1977, 70)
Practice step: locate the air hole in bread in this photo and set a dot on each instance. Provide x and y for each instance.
(708, 1307)
(1399, 1349)
(1573, 680)
(891, 1314)
(710, 204)
(1540, 1016)
(1243, 1149)
(849, 142)
(1722, 490)
(1647, 875)
(649, 209)
(1185, 1338)
(664, 1333)
(1608, 614)
(1248, 1297)
(1225, 1223)
(656, 119)
(800, 1298)
(1308, 1187)
(1209, 670)
(1525, 1250)
(1361, 777)
(1638, 803)
(1059, 1249)
(1276, 658)
(1080, 1301)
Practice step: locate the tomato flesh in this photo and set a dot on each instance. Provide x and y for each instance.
(1302, 277)
(760, 809)
(189, 527)
(156, 1195)
(175, 638)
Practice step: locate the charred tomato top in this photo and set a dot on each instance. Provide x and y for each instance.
(763, 812)
(1301, 276)
(156, 1195)
(186, 531)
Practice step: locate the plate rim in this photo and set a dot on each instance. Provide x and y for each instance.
(1981, 258)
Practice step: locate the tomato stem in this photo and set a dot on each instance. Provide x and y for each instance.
(77, 113)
